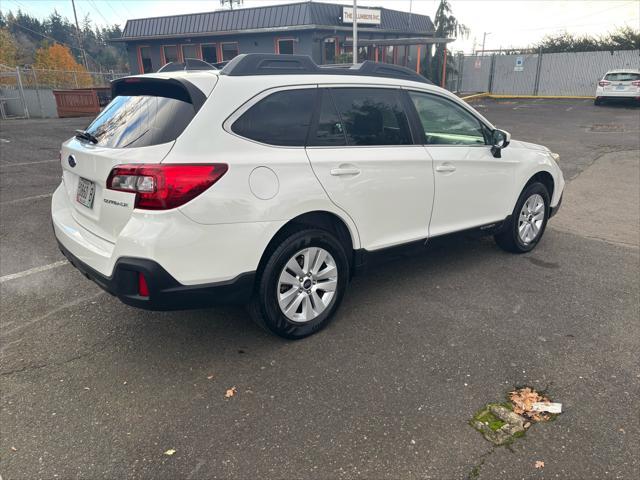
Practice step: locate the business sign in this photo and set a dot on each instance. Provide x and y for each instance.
(519, 67)
(365, 15)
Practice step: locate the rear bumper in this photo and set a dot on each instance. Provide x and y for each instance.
(165, 292)
(618, 95)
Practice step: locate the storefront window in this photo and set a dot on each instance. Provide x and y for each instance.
(170, 53)
(210, 53)
(190, 51)
(285, 46)
(144, 58)
(229, 51)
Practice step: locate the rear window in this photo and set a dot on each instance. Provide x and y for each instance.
(622, 77)
(141, 121)
(282, 118)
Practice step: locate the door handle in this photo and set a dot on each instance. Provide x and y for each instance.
(336, 172)
(445, 168)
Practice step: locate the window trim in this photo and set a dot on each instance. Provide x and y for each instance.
(222, 44)
(197, 45)
(285, 39)
(403, 100)
(140, 65)
(216, 46)
(162, 56)
(418, 123)
(226, 125)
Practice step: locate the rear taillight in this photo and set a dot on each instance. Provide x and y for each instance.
(636, 83)
(161, 187)
(604, 83)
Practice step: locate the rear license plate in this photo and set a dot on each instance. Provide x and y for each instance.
(620, 87)
(86, 192)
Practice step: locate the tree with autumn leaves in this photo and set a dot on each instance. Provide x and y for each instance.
(57, 66)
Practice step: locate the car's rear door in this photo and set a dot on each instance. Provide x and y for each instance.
(472, 187)
(361, 149)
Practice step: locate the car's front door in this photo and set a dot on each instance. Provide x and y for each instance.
(472, 187)
(362, 150)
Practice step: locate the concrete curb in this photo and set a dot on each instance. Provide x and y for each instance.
(552, 97)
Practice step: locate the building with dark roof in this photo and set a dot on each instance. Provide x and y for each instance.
(320, 30)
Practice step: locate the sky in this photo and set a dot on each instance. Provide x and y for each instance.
(508, 23)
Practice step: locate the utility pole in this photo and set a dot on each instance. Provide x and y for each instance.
(84, 54)
(484, 39)
(355, 32)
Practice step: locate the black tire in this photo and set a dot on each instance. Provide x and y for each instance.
(509, 239)
(264, 307)
(597, 101)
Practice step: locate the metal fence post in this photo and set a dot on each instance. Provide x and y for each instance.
(536, 85)
(492, 72)
(21, 90)
(35, 84)
(460, 71)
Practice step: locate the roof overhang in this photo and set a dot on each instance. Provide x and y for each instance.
(294, 28)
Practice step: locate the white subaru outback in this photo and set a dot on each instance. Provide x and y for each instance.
(274, 180)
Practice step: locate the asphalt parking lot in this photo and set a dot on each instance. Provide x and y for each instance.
(91, 388)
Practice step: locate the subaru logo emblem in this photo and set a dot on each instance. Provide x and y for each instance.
(72, 161)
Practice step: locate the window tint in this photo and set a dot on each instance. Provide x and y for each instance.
(329, 131)
(445, 123)
(372, 116)
(140, 121)
(622, 77)
(282, 118)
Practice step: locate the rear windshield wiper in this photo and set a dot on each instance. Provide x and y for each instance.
(84, 135)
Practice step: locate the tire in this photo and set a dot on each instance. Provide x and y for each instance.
(315, 306)
(597, 101)
(510, 238)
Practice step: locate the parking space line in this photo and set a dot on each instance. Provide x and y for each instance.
(27, 163)
(34, 197)
(31, 271)
(79, 301)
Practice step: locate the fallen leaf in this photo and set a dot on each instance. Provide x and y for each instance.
(539, 464)
(170, 452)
(230, 392)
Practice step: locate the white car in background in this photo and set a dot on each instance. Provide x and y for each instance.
(273, 181)
(618, 84)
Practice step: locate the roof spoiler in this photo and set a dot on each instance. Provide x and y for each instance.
(177, 88)
(270, 64)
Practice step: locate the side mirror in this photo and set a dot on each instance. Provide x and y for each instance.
(499, 140)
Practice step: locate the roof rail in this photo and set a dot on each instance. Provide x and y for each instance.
(188, 64)
(270, 64)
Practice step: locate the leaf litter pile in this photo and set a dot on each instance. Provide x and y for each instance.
(502, 423)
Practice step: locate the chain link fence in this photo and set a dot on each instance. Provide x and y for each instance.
(28, 92)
